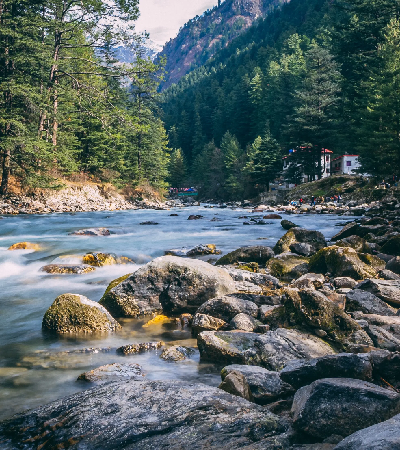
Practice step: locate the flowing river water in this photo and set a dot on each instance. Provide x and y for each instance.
(36, 368)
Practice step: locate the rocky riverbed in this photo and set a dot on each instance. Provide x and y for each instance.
(288, 339)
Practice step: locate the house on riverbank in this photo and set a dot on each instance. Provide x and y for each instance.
(345, 165)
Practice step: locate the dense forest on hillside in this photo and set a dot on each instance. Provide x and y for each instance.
(314, 74)
(66, 104)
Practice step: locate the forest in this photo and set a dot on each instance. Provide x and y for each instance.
(314, 74)
(311, 74)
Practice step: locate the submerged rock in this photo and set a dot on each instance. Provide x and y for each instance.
(100, 259)
(92, 232)
(176, 353)
(169, 284)
(199, 250)
(257, 253)
(139, 348)
(144, 415)
(68, 268)
(341, 406)
(73, 313)
(113, 372)
(24, 246)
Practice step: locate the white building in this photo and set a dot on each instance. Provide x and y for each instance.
(345, 165)
(290, 160)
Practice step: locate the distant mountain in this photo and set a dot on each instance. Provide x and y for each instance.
(126, 55)
(200, 38)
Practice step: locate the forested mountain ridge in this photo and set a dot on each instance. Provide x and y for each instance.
(200, 38)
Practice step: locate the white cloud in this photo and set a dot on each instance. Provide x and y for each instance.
(163, 18)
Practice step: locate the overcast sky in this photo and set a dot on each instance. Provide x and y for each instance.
(163, 18)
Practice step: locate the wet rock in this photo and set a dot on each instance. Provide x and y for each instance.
(392, 246)
(382, 436)
(394, 265)
(257, 253)
(24, 246)
(236, 384)
(139, 348)
(99, 259)
(144, 415)
(272, 216)
(386, 290)
(92, 232)
(300, 373)
(310, 281)
(78, 269)
(199, 250)
(343, 262)
(176, 353)
(73, 313)
(195, 217)
(288, 266)
(266, 386)
(169, 284)
(341, 406)
(388, 275)
(204, 322)
(300, 235)
(244, 322)
(287, 224)
(344, 282)
(113, 372)
(359, 300)
(149, 222)
(271, 350)
(227, 307)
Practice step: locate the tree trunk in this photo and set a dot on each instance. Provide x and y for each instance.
(5, 172)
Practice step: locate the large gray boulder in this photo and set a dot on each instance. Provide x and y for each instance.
(341, 406)
(170, 284)
(227, 307)
(386, 290)
(265, 385)
(368, 303)
(301, 372)
(142, 416)
(256, 253)
(382, 436)
(74, 313)
(271, 350)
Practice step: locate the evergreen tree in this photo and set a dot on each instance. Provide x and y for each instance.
(177, 169)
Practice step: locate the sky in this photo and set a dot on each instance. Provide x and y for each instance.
(163, 18)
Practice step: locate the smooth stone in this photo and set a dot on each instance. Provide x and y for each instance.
(68, 268)
(113, 372)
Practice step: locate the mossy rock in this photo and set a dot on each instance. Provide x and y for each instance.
(254, 254)
(392, 246)
(73, 313)
(113, 284)
(297, 235)
(250, 267)
(65, 269)
(355, 242)
(288, 267)
(25, 246)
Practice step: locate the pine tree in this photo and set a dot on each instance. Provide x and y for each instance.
(177, 169)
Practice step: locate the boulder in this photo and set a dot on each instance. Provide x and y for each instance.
(113, 372)
(195, 217)
(287, 224)
(349, 229)
(236, 384)
(299, 373)
(271, 350)
(388, 275)
(263, 280)
(312, 308)
(310, 281)
(24, 246)
(359, 244)
(170, 284)
(144, 415)
(386, 290)
(288, 266)
(204, 322)
(343, 262)
(341, 406)
(244, 322)
(92, 232)
(300, 235)
(382, 436)
(257, 253)
(392, 246)
(364, 301)
(99, 259)
(227, 307)
(265, 385)
(176, 353)
(302, 248)
(272, 216)
(141, 347)
(74, 313)
(382, 338)
(199, 250)
(344, 282)
(78, 269)
(394, 265)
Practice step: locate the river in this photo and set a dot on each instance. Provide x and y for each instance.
(32, 369)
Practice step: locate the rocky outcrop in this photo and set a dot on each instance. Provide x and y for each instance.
(314, 239)
(170, 284)
(271, 350)
(144, 415)
(258, 253)
(341, 406)
(113, 372)
(73, 313)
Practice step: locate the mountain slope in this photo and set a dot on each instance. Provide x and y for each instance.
(200, 38)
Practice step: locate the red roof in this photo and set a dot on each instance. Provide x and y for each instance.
(342, 156)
